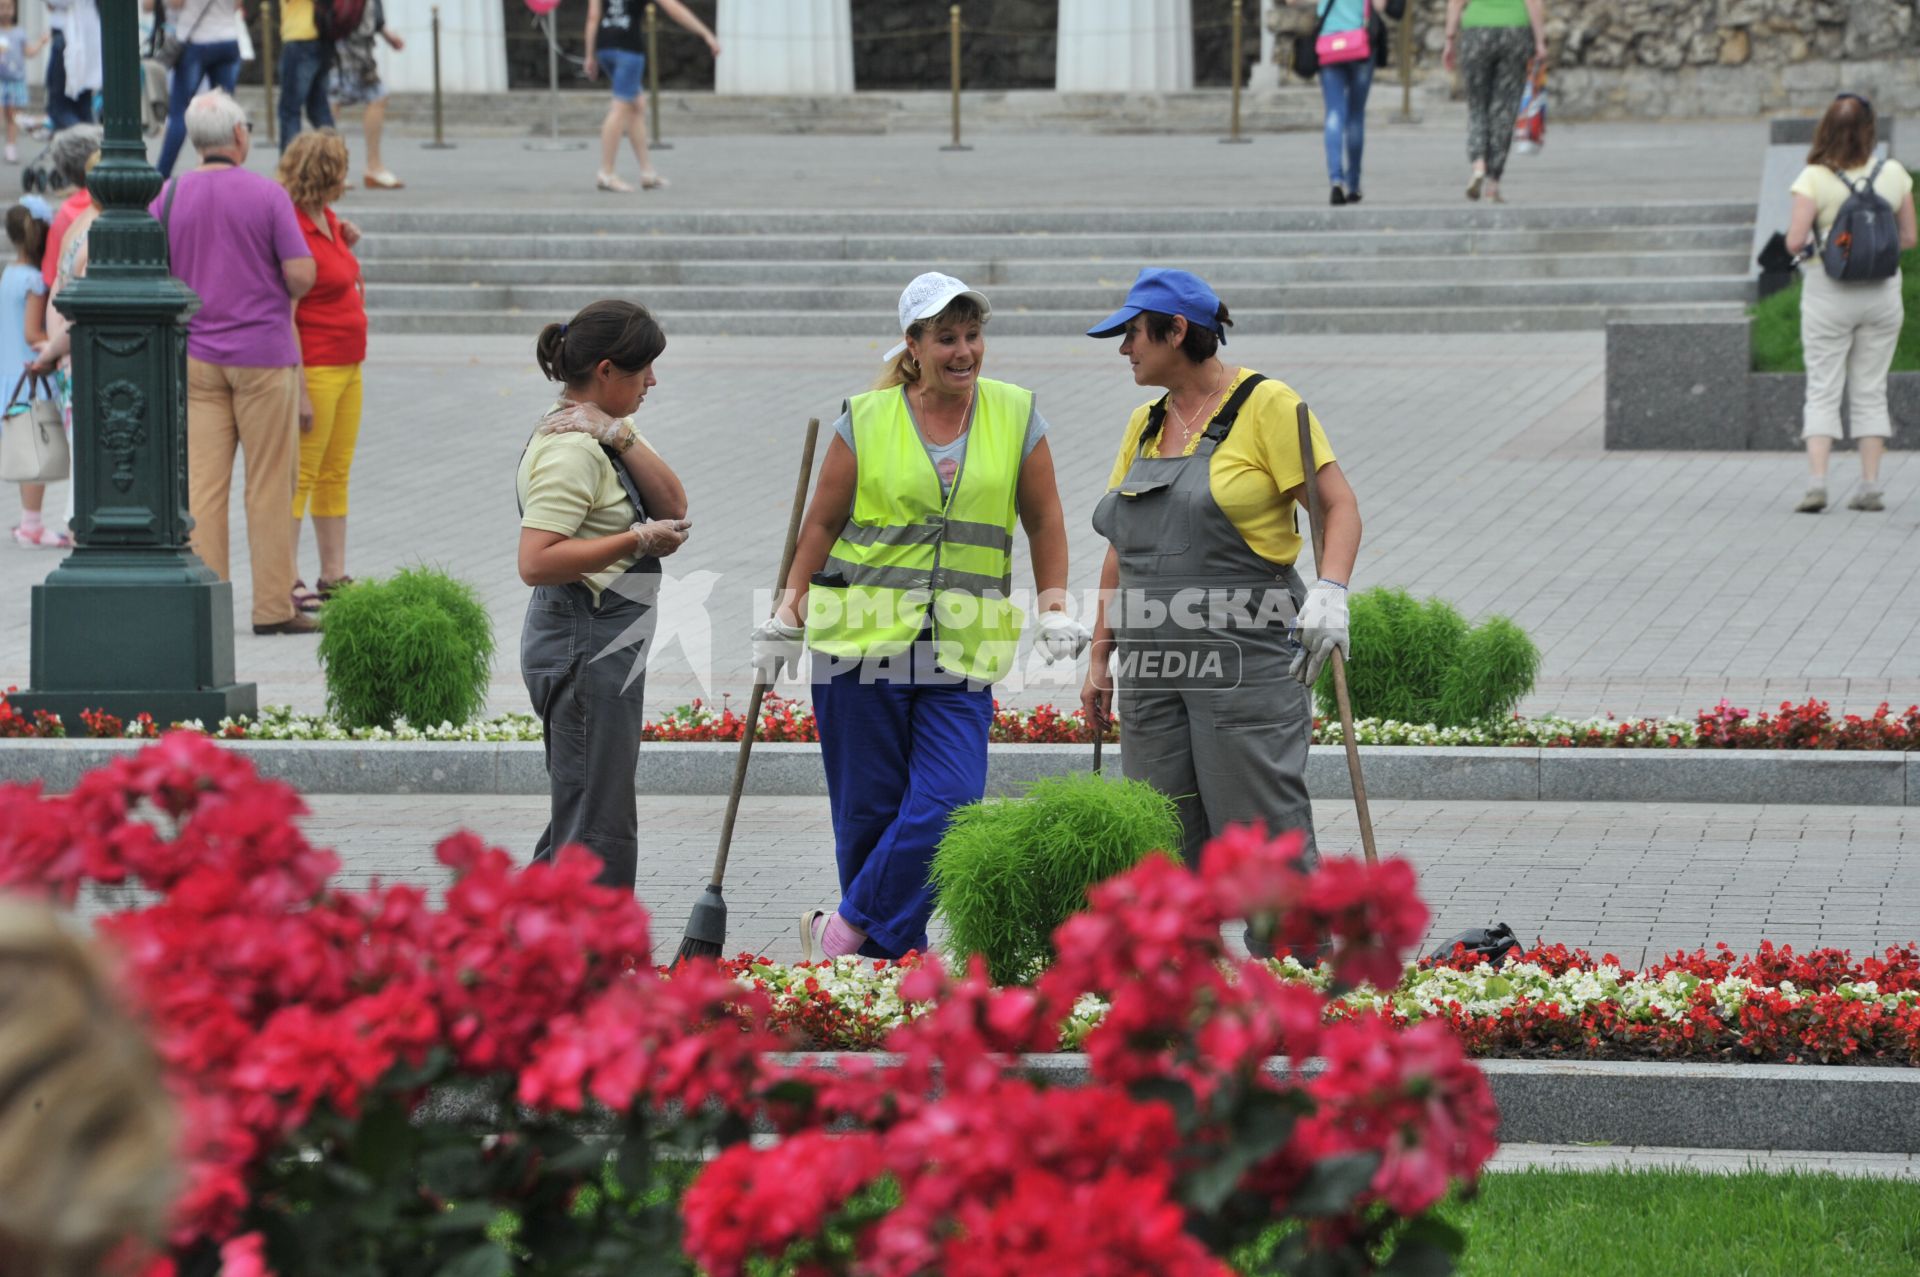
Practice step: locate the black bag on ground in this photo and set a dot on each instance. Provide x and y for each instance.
(1493, 944)
(1863, 244)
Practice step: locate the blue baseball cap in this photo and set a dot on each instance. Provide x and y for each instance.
(1170, 292)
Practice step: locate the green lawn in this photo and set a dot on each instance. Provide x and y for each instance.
(1655, 1223)
(1776, 325)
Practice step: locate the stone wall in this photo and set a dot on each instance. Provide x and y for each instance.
(1683, 58)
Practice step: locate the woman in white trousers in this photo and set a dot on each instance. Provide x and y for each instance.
(1848, 328)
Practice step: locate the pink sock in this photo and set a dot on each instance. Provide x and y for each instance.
(30, 522)
(840, 937)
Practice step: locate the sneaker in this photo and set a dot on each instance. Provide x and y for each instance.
(1866, 499)
(1813, 503)
(810, 928)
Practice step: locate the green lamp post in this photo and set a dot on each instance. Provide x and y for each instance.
(131, 621)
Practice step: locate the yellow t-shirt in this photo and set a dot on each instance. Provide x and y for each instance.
(1252, 471)
(1828, 192)
(568, 486)
(296, 21)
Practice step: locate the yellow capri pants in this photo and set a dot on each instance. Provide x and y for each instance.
(326, 451)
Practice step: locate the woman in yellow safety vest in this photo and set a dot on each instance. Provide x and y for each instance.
(902, 587)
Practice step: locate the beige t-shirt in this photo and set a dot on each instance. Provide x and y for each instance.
(568, 486)
(1828, 192)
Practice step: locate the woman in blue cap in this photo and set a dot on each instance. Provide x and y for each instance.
(901, 587)
(1217, 637)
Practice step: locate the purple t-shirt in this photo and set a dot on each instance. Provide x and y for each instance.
(229, 232)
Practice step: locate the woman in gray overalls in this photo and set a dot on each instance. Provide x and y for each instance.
(598, 510)
(1218, 640)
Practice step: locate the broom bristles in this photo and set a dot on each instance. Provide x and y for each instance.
(697, 950)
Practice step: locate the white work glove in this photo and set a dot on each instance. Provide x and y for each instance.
(660, 537)
(1320, 627)
(1061, 638)
(777, 646)
(588, 419)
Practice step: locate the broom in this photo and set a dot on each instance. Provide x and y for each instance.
(1316, 524)
(706, 935)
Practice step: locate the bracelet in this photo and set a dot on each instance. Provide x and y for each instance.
(627, 440)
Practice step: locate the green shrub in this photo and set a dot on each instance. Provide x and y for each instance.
(417, 646)
(1010, 870)
(1776, 325)
(1418, 662)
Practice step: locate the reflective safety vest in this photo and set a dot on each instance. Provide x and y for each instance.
(903, 548)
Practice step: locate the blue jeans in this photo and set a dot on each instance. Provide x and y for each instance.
(63, 111)
(1343, 87)
(899, 756)
(217, 63)
(303, 84)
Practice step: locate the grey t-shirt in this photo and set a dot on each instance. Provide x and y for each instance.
(946, 457)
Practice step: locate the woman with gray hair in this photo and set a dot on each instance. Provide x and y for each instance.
(235, 239)
(71, 153)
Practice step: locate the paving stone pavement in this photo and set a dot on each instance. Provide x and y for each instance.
(1637, 880)
(1654, 583)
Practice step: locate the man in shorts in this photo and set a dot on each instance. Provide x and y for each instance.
(356, 82)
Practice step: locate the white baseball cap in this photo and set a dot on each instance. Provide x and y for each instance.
(927, 296)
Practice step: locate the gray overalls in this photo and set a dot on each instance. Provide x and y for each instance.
(1209, 714)
(585, 668)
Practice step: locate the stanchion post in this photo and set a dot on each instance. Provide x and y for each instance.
(269, 25)
(953, 25)
(552, 141)
(1406, 64)
(439, 142)
(653, 78)
(1233, 126)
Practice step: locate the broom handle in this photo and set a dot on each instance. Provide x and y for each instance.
(1316, 526)
(759, 684)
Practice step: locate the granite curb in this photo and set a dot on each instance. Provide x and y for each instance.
(1805, 1107)
(1426, 773)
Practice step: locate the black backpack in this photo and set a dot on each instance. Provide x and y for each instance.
(1863, 244)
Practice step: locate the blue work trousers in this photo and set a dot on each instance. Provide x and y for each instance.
(1343, 87)
(900, 757)
(303, 85)
(218, 65)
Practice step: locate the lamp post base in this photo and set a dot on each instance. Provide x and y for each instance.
(167, 650)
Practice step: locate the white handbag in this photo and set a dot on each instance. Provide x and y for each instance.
(33, 444)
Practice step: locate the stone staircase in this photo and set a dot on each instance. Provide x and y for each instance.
(1361, 270)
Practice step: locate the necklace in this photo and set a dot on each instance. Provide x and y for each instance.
(927, 419)
(1186, 423)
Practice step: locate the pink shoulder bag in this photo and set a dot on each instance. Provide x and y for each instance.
(1335, 47)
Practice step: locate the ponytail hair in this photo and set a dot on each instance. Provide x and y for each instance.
(621, 332)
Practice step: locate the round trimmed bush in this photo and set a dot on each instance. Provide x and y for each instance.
(417, 645)
(1417, 661)
(1011, 870)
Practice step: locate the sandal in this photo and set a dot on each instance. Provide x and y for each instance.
(652, 181)
(608, 182)
(305, 600)
(328, 588)
(384, 180)
(45, 539)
